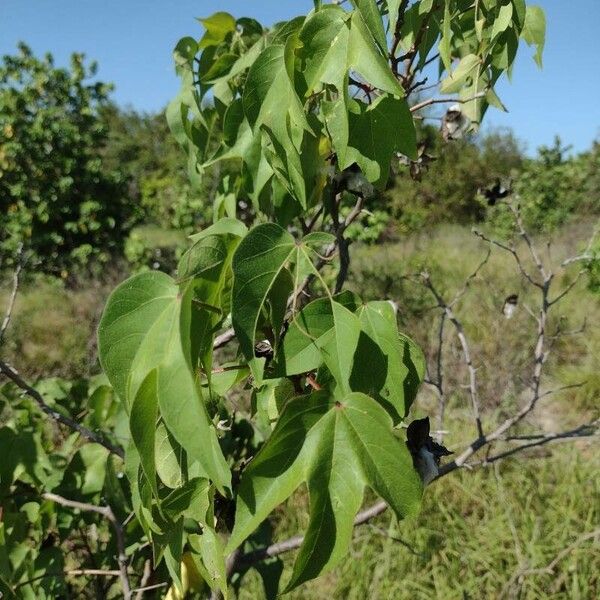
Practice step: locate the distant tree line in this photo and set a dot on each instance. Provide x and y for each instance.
(84, 182)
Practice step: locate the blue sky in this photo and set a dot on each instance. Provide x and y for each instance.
(132, 41)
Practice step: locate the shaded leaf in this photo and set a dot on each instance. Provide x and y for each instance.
(338, 448)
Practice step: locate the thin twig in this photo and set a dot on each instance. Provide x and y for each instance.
(91, 436)
(13, 293)
(149, 588)
(549, 568)
(431, 101)
(70, 573)
(460, 332)
(107, 512)
(513, 252)
(585, 431)
(143, 587)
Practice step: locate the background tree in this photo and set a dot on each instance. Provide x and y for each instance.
(56, 196)
(252, 371)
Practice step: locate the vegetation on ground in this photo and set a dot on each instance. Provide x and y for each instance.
(307, 320)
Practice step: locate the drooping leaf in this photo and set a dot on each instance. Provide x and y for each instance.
(394, 360)
(372, 18)
(169, 458)
(534, 30)
(502, 20)
(445, 45)
(467, 67)
(211, 550)
(144, 414)
(146, 327)
(226, 225)
(270, 103)
(191, 500)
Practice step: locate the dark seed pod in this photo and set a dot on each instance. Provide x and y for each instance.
(495, 192)
(426, 453)
(263, 349)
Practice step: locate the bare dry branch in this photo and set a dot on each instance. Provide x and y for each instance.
(513, 252)
(431, 101)
(88, 434)
(143, 587)
(460, 332)
(109, 515)
(549, 568)
(13, 293)
(589, 430)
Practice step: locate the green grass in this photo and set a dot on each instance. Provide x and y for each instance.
(478, 529)
(475, 531)
(52, 330)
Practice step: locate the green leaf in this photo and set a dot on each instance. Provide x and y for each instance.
(185, 51)
(338, 349)
(217, 26)
(503, 20)
(534, 31)
(139, 300)
(93, 457)
(376, 132)
(168, 458)
(372, 17)
(334, 42)
(467, 67)
(381, 368)
(271, 103)
(142, 423)
(172, 543)
(222, 381)
(425, 6)
(191, 500)
(146, 326)
(393, 14)
(445, 45)
(414, 361)
(257, 264)
(307, 333)
(210, 548)
(226, 225)
(338, 448)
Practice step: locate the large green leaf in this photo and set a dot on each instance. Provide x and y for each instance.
(307, 333)
(257, 264)
(376, 132)
(334, 42)
(389, 365)
(270, 103)
(372, 17)
(338, 447)
(146, 327)
(136, 302)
